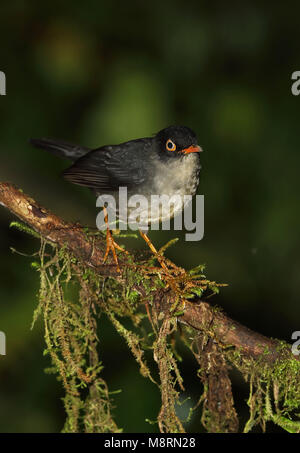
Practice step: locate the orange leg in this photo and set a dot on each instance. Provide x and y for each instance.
(111, 244)
(172, 283)
(153, 250)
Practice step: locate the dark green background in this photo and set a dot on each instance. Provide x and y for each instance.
(100, 72)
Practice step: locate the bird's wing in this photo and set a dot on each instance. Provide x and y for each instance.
(111, 167)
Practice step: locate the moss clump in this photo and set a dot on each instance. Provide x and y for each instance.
(274, 389)
(71, 299)
(71, 342)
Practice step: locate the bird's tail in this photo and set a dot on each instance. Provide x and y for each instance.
(60, 148)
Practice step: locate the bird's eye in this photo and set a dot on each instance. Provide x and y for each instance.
(170, 145)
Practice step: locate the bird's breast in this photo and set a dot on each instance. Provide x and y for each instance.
(173, 179)
(180, 176)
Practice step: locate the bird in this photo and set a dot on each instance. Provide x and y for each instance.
(166, 163)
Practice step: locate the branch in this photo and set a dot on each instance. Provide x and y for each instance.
(54, 229)
(198, 314)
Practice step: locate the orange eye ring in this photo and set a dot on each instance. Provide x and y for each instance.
(170, 146)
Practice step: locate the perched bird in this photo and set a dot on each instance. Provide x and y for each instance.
(166, 164)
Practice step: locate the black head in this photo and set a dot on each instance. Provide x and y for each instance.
(177, 141)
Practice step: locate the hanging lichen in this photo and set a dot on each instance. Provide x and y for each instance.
(71, 341)
(71, 299)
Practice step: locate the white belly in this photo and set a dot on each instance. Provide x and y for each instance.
(172, 182)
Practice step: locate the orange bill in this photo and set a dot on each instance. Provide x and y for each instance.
(192, 149)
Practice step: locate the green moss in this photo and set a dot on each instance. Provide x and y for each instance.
(71, 320)
(274, 388)
(25, 229)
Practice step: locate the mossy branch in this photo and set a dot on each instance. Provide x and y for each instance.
(198, 314)
(70, 331)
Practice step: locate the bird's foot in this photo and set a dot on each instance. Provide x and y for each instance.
(161, 259)
(167, 265)
(171, 273)
(174, 270)
(111, 245)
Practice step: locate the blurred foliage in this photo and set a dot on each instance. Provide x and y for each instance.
(100, 72)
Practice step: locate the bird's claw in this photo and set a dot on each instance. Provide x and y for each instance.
(111, 245)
